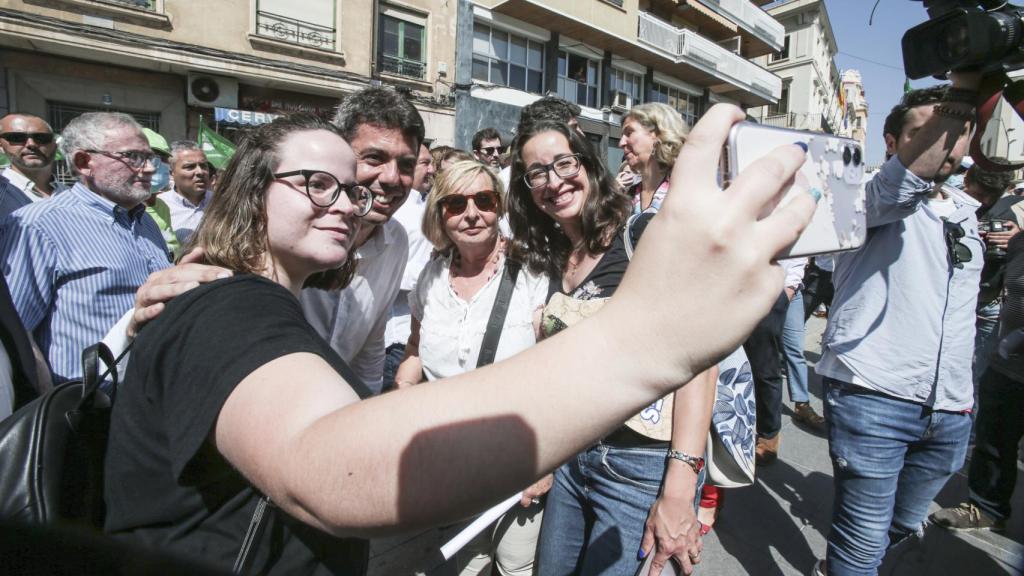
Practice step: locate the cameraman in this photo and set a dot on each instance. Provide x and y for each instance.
(896, 355)
(999, 219)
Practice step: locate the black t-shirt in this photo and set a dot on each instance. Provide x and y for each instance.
(606, 276)
(166, 486)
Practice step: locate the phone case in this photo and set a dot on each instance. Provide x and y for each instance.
(834, 165)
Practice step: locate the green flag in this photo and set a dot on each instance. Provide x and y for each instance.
(218, 149)
(906, 85)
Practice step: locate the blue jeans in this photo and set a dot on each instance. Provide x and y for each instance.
(393, 356)
(793, 349)
(595, 513)
(890, 458)
(986, 335)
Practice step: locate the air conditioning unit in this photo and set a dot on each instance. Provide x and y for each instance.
(622, 102)
(207, 91)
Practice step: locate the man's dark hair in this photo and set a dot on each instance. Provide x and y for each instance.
(380, 107)
(485, 134)
(897, 117)
(547, 109)
(993, 183)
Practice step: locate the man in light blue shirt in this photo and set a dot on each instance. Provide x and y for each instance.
(896, 355)
(73, 263)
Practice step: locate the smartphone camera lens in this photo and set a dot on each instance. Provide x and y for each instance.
(847, 156)
(856, 157)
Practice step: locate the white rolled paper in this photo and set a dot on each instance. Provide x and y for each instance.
(477, 526)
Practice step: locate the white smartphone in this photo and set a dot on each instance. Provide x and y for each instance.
(834, 165)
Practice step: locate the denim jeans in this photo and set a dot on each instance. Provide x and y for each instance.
(986, 335)
(793, 349)
(998, 429)
(596, 510)
(393, 356)
(890, 458)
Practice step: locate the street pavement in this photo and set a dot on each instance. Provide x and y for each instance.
(778, 526)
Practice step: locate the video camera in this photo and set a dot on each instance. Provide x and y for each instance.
(985, 36)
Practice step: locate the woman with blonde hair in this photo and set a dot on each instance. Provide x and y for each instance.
(652, 136)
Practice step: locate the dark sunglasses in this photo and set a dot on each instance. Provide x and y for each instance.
(19, 138)
(958, 251)
(491, 150)
(456, 204)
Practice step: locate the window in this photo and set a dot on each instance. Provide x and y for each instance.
(578, 79)
(402, 46)
(507, 59)
(781, 107)
(630, 83)
(305, 22)
(781, 54)
(686, 104)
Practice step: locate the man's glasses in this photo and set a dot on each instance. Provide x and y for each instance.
(491, 150)
(134, 159)
(20, 138)
(486, 201)
(323, 190)
(958, 251)
(564, 167)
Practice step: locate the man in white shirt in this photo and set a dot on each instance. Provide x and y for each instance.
(190, 172)
(410, 216)
(385, 131)
(30, 144)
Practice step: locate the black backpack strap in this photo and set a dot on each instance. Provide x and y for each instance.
(257, 525)
(489, 346)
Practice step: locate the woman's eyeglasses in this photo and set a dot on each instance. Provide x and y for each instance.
(564, 167)
(323, 190)
(959, 253)
(486, 201)
(21, 138)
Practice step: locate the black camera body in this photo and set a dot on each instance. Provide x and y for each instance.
(986, 36)
(987, 226)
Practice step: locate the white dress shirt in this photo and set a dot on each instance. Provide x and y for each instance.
(410, 216)
(185, 216)
(353, 320)
(29, 187)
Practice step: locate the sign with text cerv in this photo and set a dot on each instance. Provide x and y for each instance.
(245, 117)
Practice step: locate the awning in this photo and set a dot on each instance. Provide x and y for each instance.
(244, 117)
(708, 12)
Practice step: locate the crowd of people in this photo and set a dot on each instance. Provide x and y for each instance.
(378, 336)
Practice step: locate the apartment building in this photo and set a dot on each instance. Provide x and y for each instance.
(229, 62)
(809, 98)
(856, 107)
(606, 56)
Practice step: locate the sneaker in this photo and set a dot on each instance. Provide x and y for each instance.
(804, 413)
(767, 450)
(966, 517)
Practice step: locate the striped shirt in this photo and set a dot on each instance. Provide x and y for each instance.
(73, 264)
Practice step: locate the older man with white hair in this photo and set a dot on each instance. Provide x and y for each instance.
(73, 263)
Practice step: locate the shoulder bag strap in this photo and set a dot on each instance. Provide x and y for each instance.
(489, 346)
(257, 525)
(627, 235)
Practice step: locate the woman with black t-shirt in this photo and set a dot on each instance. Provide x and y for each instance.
(230, 393)
(569, 220)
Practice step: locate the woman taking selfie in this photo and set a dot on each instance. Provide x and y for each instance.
(230, 394)
(452, 306)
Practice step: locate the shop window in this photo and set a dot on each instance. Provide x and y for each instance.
(402, 44)
(304, 22)
(507, 59)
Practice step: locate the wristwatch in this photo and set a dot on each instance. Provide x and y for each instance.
(694, 462)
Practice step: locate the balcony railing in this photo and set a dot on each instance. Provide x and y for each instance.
(687, 46)
(752, 19)
(402, 67)
(800, 121)
(295, 31)
(143, 4)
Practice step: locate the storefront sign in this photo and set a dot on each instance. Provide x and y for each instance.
(246, 117)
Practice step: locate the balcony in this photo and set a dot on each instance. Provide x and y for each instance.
(686, 46)
(294, 31)
(800, 121)
(752, 20)
(142, 4)
(402, 67)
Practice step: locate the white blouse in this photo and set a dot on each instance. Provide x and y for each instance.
(451, 329)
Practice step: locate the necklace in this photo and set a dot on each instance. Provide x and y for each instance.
(455, 271)
(574, 261)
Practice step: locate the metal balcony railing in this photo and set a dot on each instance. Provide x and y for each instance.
(800, 121)
(403, 67)
(752, 19)
(295, 31)
(143, 4)
(691, 48)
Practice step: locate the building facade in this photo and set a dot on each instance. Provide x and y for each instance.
(606, 56)
(172, 63)
(855, 124)
(811, 85)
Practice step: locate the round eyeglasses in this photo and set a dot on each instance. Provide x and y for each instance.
(323, 190)
(564, 167)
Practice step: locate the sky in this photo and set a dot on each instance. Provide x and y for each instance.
(875, 51)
